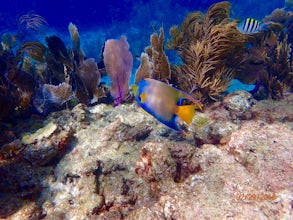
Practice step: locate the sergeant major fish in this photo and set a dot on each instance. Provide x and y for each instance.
(165, 103)
(250, 26)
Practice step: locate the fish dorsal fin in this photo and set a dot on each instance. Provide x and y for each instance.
(185, 112)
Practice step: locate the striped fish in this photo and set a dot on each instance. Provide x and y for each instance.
(249, 26)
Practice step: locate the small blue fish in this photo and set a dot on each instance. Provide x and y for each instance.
(250, 26)
(165, 103)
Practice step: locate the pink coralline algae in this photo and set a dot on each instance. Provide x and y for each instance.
(118, 61)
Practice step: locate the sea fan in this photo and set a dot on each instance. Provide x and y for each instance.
(118, 61)
(50, 96)
(90, 75)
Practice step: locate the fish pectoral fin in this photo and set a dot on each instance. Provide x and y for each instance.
(185, 112)
(143, 97)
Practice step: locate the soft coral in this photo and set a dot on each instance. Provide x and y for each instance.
(118, 61)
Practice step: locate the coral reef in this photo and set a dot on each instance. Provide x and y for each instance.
(211, 49)
(283, 17)
(213, 52)
(37, 76)
(89, 163)
(93, 160)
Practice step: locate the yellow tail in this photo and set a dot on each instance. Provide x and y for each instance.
(185, 112)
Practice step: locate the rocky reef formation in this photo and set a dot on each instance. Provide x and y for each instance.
(103, 162)
(88, 161)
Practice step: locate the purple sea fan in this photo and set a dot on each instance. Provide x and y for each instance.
(118, 61)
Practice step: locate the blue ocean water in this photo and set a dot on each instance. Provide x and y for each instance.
(110, 19)
(98, 21)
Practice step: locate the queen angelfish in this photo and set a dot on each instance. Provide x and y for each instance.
(165, 103)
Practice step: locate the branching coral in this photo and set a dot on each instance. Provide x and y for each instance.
(211, 48)
(161, 66)
(280, 70)
(34, 49)
(154, 63)
(212, 51)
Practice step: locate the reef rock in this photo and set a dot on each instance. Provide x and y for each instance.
(238, 104)
(120, 163)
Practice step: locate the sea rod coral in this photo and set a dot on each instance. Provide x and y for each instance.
(154, 63)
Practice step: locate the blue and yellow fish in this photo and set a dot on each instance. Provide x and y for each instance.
(165, 103)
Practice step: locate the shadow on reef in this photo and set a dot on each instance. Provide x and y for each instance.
(35, 154)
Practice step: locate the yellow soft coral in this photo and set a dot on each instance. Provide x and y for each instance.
(210, 47)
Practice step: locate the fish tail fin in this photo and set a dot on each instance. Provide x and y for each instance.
(185, 112)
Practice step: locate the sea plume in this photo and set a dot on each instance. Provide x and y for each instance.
(32, 21)
(211, 49)
(31, 26)
(118, 61)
